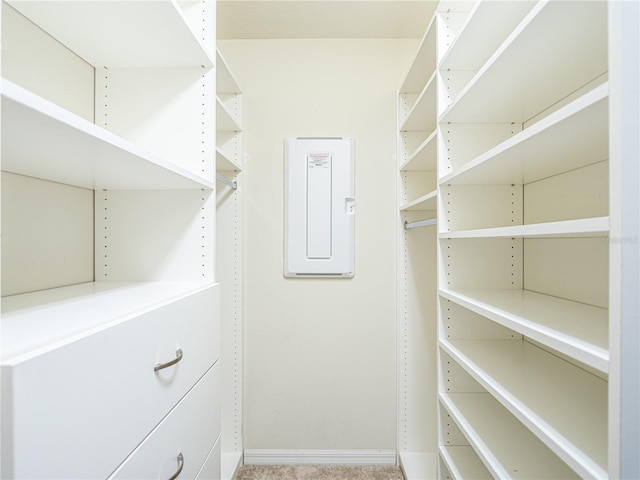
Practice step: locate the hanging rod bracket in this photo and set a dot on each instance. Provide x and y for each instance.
(421, 223)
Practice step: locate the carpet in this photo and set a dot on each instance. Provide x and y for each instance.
(318, 472)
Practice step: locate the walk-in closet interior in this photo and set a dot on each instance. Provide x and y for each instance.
(378, 232)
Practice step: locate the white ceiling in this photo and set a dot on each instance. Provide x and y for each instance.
(261, 19)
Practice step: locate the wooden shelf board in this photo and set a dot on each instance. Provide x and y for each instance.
(584, 227)
(33, 323)
(504, 445)
(424, 62)
(225, 122)
(425, 158)
(419, 465)
(521, 375)
(225, 81)
(120, 34)
(45, 141)
(463, 462)
(572, 137)
(424, 113)
(475, 43)
(225, 163)
(574, 329)
(425, 202)
(511, 88)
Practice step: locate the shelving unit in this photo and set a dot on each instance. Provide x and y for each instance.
(575, 431)
(461, 462)
(229, 156)
(523, 239)
(508, 452)
(574, 329)
(417, 115)
(135, 187)
(417, 180)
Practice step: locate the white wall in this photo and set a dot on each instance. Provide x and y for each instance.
(36, 61)
(48, 227)
(320, 353)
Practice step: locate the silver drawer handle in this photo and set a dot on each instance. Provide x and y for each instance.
(180, 465)
(160, 366)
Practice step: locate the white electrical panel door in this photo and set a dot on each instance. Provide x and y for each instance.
(319, 207)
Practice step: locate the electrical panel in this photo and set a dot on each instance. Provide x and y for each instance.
(319, 207)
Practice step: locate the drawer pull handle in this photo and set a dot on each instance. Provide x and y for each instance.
(160, 366)
(180, 465)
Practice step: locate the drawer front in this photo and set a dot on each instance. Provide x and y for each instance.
(212, 468)
(190, 430)
(78, 411)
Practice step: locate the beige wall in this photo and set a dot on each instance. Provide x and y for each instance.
(320, 353)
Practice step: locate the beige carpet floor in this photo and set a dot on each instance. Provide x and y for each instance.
(313, 472)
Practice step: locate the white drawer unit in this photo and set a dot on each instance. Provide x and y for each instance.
(180, 445)
(78, 409)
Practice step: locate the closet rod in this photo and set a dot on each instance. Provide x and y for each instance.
(226, 181)
(421, 223)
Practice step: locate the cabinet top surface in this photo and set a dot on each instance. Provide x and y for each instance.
(33, 323)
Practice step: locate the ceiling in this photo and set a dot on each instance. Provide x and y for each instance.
(270, 19)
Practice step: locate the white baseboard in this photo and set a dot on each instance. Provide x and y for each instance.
(319, 457)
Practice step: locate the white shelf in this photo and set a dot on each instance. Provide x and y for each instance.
(572, 137)
(512, 88)
(505, 446)
(120, 34)
(565, 406)
(423, 115)
(226, 84)
(475, 43)
(419, 465)
(225, 81)
(42, 140)
(424, 62)
(425, 157)
(574, 329)
(33, 323)
(425, 202)
(224, 163)
(463, 462)
(225, 121)
(584, 227)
